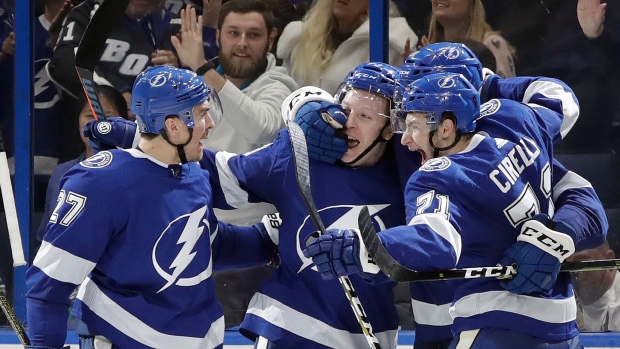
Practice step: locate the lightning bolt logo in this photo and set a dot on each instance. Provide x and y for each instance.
(347, 220)
(190, 235)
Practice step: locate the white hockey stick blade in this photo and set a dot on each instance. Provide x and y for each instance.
(15, 238)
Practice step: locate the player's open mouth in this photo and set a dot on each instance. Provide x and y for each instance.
(424, 157)
(352, 142)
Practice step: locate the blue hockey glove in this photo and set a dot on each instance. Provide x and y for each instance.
(339, 253)
(538, 253)
(111, 133)
(322, 123)
(41, 347)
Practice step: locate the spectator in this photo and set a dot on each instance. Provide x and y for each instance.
(252, 89)
(333, 39)
(598, 292)
(455, 20)
(250, 85)
(113, 104)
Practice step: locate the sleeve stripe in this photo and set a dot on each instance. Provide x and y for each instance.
(61, 265)
(550, 89)
(235, 196)
(570, 181)
(442, 227)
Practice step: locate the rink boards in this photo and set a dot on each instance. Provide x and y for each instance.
(233, 340)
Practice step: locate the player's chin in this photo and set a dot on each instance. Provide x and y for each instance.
(350, 155)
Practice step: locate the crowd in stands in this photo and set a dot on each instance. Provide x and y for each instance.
(255, 53)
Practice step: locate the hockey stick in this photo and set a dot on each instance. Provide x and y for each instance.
(399, 273)
(12, 224)
(91, 47)
(302, 172)
(13, 320)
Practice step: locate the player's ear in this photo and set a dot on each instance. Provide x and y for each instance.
(388, 132)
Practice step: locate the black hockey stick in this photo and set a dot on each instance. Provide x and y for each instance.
(13, 320)
(91, 47)
(302, 173)
(399, 273)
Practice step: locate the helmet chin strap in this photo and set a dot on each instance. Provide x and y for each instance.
(436, 149)
(180, 147)
(377, 140)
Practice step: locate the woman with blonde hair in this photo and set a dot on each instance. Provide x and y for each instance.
(333, 38)
(457, 20)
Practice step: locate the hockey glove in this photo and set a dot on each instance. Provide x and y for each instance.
(111, 133)
(41, 347)
(339, 253)
(322, 123)
(538, 253)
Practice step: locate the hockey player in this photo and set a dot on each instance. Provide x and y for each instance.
(295, 308)
(451, 224)
(135, 230)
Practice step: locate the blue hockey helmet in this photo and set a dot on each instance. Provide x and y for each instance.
(165, 90)
(376, 77)
(437, 93)
(440, 57)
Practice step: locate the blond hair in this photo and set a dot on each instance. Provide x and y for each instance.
(317, 44)
(478, 29)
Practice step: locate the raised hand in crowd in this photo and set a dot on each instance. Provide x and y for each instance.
(56, 23)
(211, 12)
(8, 45)
(189, 46)
(591, 16)
(162, 57)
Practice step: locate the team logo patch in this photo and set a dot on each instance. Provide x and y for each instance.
(436, 164)
(446, 82)
(104, 127)
(451, 53)
(500, 142)
(158, 80)
(99, 160)
(490, 107)
(179, 254)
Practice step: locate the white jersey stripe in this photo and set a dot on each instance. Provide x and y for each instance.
(131, 326)
(431, 314)
(466, 339)
(61, 265)
(442, 227)
(555, 311)
(308, 327)
(550, 89)
(570, 181)
(235, 196)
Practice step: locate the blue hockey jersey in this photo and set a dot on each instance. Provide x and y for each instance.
(136, 234)
(576, 202)
(295, 307)
(466, 209)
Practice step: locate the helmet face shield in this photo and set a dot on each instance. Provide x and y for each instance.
(408, 122)
(216, 112)
(365, 104)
